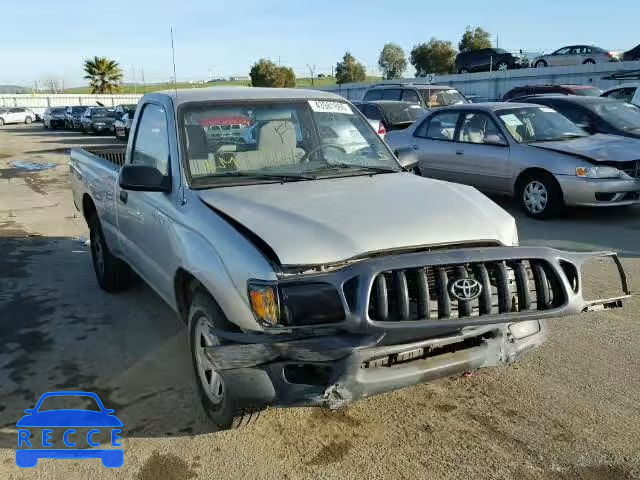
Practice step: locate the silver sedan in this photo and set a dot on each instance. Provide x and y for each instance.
(531, 152)
(575, 55)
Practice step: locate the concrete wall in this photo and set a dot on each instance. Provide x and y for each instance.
(39, 102)
(493, 85)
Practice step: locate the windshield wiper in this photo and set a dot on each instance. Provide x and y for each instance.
(351, 166)
(266, 176)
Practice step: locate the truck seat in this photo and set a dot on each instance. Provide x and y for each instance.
(276, 145)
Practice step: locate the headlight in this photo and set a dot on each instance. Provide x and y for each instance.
(99, 124)
(296, 304)
(599, 172)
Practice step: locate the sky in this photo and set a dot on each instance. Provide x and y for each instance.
(43, 39)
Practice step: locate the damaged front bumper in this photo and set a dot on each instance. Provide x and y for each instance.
(371, 353)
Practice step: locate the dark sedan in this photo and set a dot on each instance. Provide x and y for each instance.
(594, 114)
(393, 115)
(98, 120)
(488, 59)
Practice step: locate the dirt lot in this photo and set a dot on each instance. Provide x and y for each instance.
(570, 410)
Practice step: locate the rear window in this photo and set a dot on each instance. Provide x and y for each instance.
(442, 97)
(373, 94)
(587, 91)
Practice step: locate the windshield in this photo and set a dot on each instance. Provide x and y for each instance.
(58, 111)
(78, 109)
(621, 115)
(102, 112)
(253, 142)
(538, 124)
(442, 97)
(402, 112)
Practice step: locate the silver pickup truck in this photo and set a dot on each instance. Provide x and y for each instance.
(308, 266)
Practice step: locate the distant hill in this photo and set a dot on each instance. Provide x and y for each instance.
(4, 89)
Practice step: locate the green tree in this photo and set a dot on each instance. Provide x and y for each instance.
(435, 56)
(392, 61)
(350, 70)
(474, 39)
(265, 73)
(104, 75)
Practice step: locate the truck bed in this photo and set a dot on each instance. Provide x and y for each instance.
(114, 154)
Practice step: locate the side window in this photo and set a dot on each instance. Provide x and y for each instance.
(409, 95)
(373, 94)
(391, 94)
(14, 110)
(440, 126)
(623, 94)
(476, 127)
(371, 112)
(151, 145)
(563, 51)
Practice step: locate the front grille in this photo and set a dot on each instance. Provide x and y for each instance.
(631, 168)
(424, 292)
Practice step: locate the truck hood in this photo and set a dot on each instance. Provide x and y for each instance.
(597, 148)
(331, 220)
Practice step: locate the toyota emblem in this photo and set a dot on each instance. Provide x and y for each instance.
(465, 289)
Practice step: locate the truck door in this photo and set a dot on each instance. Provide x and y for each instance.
(143, 221)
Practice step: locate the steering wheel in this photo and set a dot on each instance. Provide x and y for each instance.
(306, 156)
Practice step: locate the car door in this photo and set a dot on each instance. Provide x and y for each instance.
(13, 115)
(559, 57)
(142, 223)
(433, 144)
(480, 60)
(481, 153)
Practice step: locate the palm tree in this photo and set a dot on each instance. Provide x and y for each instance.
(104, 75)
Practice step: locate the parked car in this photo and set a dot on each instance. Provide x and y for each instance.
(17, 115)
(299, 281)
(531, 152)
(124, 118)
(427, 96)
(595, 114)
(575, 55)
(392, 115)
(97, 120)
(488, 59)
(632, 55)
(73, 117)
(566, 89)
(626, 92)
(53, 117)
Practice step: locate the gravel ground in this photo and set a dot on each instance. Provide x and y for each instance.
(569, 410)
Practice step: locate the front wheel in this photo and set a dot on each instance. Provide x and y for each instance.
(28, 120)
(463, 70)
(589, 61)
(541, 64)
(113, 274)
(217, 397)
(502, 66)
(540, 196)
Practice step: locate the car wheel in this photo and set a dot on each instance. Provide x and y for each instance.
(502, 66)
(44, 124)
(540, 196)
(1, 121)
(113, 274)
(589, 61)
(463, 70)
(216, 395)
(541, 64)
(28, 120)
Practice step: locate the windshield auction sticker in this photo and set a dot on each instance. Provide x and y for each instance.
(53, 429)
(330, 107)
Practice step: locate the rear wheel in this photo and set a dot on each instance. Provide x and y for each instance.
(502, 66)
(589, 61)
(217, 397)
(541, 64)
(463, 70)
(28, 120)
(1, 122)
(540, 196)
(113, 274)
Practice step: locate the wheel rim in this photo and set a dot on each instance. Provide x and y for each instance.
(540, 64)
(535, 196)
(98, 252)
(502, 67)
(210, 379)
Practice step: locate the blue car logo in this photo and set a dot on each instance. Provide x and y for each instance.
(27, 455)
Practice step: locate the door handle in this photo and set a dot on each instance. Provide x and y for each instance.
(459, 152)
(124, 196)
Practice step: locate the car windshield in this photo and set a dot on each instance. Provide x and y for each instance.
(538, 124)
(103, 112)
(78, 109)
(619, 114)
(442, 97)
(58, 110)
(402, 112)
(250, 142)
(66, 402)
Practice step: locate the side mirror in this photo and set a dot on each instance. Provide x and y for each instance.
(495, 140)
(143, 178)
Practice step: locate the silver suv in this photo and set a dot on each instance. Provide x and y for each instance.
(427, 96)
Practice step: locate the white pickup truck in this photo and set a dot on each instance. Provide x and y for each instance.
(308, 266)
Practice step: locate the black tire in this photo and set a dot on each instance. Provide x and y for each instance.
(28, 120)
(224, 412)
(44, 124)
(544, 188)
(463, 70)
(1, 122)
(113, 274)
(589, 61)
(501, 66)
(540, 64)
